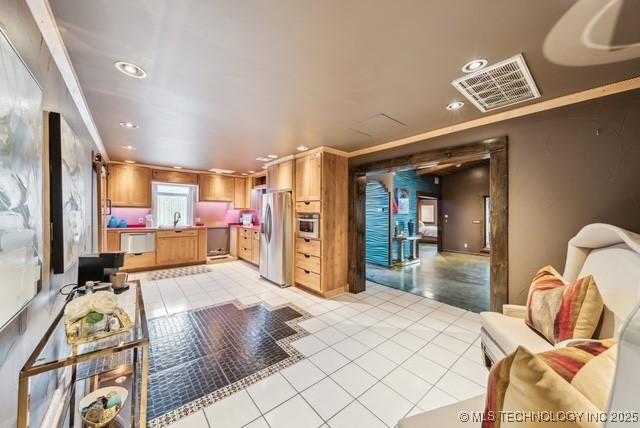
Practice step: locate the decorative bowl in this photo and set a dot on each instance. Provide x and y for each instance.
(108, 414)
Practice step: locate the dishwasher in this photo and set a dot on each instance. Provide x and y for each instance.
(138, 242)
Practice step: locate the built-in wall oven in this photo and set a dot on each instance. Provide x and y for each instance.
(308, 226)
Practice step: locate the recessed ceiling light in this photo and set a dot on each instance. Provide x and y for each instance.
(120, 379)
(302, 148)
(244, 173)
(129, 125)
(129, 161)
(177, 167)
(456, 105)
(475, 65)
(272, 156)
(221, 171)
(262, 159)
(131, 70)
(264, 167)
(250, 172)
(128, 147)
(458, 165)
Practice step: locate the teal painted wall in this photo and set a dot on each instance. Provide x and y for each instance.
(377, 231)
(413, 183)
(380, 221)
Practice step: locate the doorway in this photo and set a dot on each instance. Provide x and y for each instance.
(491, 230)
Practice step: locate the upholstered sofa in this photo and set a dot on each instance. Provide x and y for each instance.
(612, 256)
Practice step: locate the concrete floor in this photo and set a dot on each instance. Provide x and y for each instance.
(460, 280)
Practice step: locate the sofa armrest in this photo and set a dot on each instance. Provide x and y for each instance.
(515, 311)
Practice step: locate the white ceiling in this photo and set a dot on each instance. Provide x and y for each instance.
(229, 81)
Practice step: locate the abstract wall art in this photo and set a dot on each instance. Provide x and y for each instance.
(21, 188)
(70, 184)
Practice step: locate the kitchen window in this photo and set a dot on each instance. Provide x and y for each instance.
(169, 199)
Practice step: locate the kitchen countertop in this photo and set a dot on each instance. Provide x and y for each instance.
(151, 229)
(254, 227)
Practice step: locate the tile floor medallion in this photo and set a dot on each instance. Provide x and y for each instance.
(200, 356)
(365, 360)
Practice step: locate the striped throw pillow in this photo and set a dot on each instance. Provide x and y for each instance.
(575, 379)
(561, 311)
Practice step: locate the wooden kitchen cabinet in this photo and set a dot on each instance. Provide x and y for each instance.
(176, 177)
(249, 245)
(216, 188)
(308, 177)
(242, 193)
(280, 176)
(321, 188)
(129, 185)
(176, 247)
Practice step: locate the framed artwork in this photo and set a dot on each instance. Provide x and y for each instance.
(402, 201)
(71, 169)
(427, 213)
(21, 185)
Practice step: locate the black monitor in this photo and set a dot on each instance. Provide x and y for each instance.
(97, 267)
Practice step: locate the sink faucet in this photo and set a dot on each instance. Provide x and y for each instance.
(176, 218)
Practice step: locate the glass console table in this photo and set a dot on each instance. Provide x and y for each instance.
(76, 370)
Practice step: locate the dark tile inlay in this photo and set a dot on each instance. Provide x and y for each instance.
(196, 353)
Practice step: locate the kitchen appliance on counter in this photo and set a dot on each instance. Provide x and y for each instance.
(276, 252)
(246, 219)
(308, 226)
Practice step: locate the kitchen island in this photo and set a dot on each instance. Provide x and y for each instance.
(161, 247)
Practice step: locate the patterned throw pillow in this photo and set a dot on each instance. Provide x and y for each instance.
(572, 379)
(561, 311)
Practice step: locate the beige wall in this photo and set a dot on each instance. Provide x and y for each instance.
(562, 175)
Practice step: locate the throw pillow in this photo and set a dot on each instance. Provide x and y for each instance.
(552, 383)
(561, 311)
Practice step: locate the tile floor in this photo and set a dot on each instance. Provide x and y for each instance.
(370, 359)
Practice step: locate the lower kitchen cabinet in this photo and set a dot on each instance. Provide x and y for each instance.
(139, 261)
(248, 245)
(173, 247)
(176, 246)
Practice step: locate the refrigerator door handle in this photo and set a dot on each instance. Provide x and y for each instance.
(268, 226)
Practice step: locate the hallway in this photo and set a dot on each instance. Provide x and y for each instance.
(461, 280)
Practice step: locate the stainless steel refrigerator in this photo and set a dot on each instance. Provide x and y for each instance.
(276, 252)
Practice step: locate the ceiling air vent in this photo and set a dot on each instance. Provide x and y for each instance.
(503, 84)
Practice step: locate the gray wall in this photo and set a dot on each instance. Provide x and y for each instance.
(562, 176)
(19, 338)
(462, 200)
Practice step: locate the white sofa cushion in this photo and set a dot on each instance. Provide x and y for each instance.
(447, 416)
(509, 333)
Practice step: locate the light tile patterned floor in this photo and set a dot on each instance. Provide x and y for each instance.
(371, 358)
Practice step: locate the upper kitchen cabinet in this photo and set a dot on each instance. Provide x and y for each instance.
(216, 188)
(129, 185)
(308, 177)
(242, 193)
(175, 177)
(280, 176)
